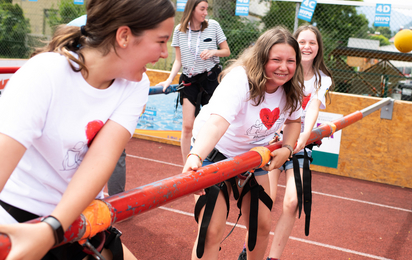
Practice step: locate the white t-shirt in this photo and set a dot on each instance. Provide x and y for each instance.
(54, 113)
(209, 39)
(250, 125)
(311, 93)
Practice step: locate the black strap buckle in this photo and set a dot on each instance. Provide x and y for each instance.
(212, 155)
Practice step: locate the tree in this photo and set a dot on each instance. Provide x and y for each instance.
(240, 32)
(13, 30)
(67, 11)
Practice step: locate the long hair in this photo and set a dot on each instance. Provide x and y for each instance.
(318, 62)
(104, 17)
(254, 60)
(187, 15)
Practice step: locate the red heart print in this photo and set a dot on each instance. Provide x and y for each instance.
(305, 101)
(92, 129)
(269, 117)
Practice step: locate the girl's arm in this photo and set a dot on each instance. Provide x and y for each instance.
(10, 154)
(291, 132)
(177, 64)
(206, 140)
(310, 119)
(223, 51)
(32, 241)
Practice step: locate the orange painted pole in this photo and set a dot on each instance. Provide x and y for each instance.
(141, 199)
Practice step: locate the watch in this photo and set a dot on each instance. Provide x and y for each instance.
(55, 224)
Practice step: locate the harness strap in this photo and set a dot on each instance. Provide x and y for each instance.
(306, 189)
(256, 192)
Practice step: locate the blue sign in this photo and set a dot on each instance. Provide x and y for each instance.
(32, 0)
(242, 7)
(307, 9)
(78, 2)
(180, 5)
(382, 15)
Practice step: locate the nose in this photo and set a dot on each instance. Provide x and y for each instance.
(283, 66)
(164, 53)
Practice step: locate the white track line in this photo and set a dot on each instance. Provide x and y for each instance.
(292, 238)
(315, 192)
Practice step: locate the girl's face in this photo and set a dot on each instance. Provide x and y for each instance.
(308, 45)
(200, 12)
(280, 67)
(147, 48)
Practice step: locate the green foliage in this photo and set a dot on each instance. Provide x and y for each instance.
(382, 39)
(280, 13)
(385, 31)
(13, 30)
(67, 11)
(240, 32)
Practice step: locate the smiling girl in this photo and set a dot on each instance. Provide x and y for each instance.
(259, 92)
(318, 82)
(66, 116)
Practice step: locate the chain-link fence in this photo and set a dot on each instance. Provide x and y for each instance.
(362, 57)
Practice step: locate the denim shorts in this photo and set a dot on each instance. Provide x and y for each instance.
(258, 172)
(289, 164)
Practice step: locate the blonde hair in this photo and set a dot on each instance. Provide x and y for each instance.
(187, 15)
(254, 60)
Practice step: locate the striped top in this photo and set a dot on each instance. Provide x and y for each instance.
(210, 39)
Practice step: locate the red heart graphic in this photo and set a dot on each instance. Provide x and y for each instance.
(305, 101)
(269, 117)
(92, 129)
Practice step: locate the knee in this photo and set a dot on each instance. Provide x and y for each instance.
(264, 226)
(187, 127)
(214, 234)
(290, 205)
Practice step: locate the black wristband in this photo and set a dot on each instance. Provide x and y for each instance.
(55, 224)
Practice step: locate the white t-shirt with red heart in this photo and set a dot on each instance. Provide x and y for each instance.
(250, 125)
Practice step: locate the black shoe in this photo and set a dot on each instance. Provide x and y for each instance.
(242, 255)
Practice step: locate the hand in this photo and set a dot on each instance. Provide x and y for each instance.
(279, 157)
(275, 139)
(164, 84)
(193, 163)
(29, 241)
(303, 138)
(207, 54)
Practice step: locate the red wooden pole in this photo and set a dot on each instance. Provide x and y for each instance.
(8, 70)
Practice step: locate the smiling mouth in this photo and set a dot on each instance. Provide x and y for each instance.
(281, 75)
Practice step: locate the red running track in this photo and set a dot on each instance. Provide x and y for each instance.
(351, 219)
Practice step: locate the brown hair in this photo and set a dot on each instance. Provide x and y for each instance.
(318, 62)
(187, 15)
(104, 17)
(254, 60)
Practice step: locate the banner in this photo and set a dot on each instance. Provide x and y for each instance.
(328, 153)
(382, 15)
(242, 7)
(307, 9)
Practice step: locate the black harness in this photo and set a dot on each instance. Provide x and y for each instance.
(209, 201)
(307, 184)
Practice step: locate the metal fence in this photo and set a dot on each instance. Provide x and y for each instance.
(362, 57)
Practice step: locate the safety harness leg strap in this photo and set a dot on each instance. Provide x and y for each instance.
(298, 182)
(307, 191)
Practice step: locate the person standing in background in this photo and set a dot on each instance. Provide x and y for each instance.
(198, 44)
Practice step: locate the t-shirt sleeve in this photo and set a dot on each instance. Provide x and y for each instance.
(230, 95)
(131, 108)
(175, 40)
(220, 35)
(25, 102)
(326, 82)
(295, 115)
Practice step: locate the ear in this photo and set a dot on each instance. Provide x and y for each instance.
(123, 36)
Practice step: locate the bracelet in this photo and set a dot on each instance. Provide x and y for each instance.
(289, 148)
(55, 224)
(200, 158)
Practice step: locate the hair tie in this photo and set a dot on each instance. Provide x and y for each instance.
(83, 31)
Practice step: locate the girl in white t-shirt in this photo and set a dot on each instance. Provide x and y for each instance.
(259, 92)
(318, 83)
(66, 116)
